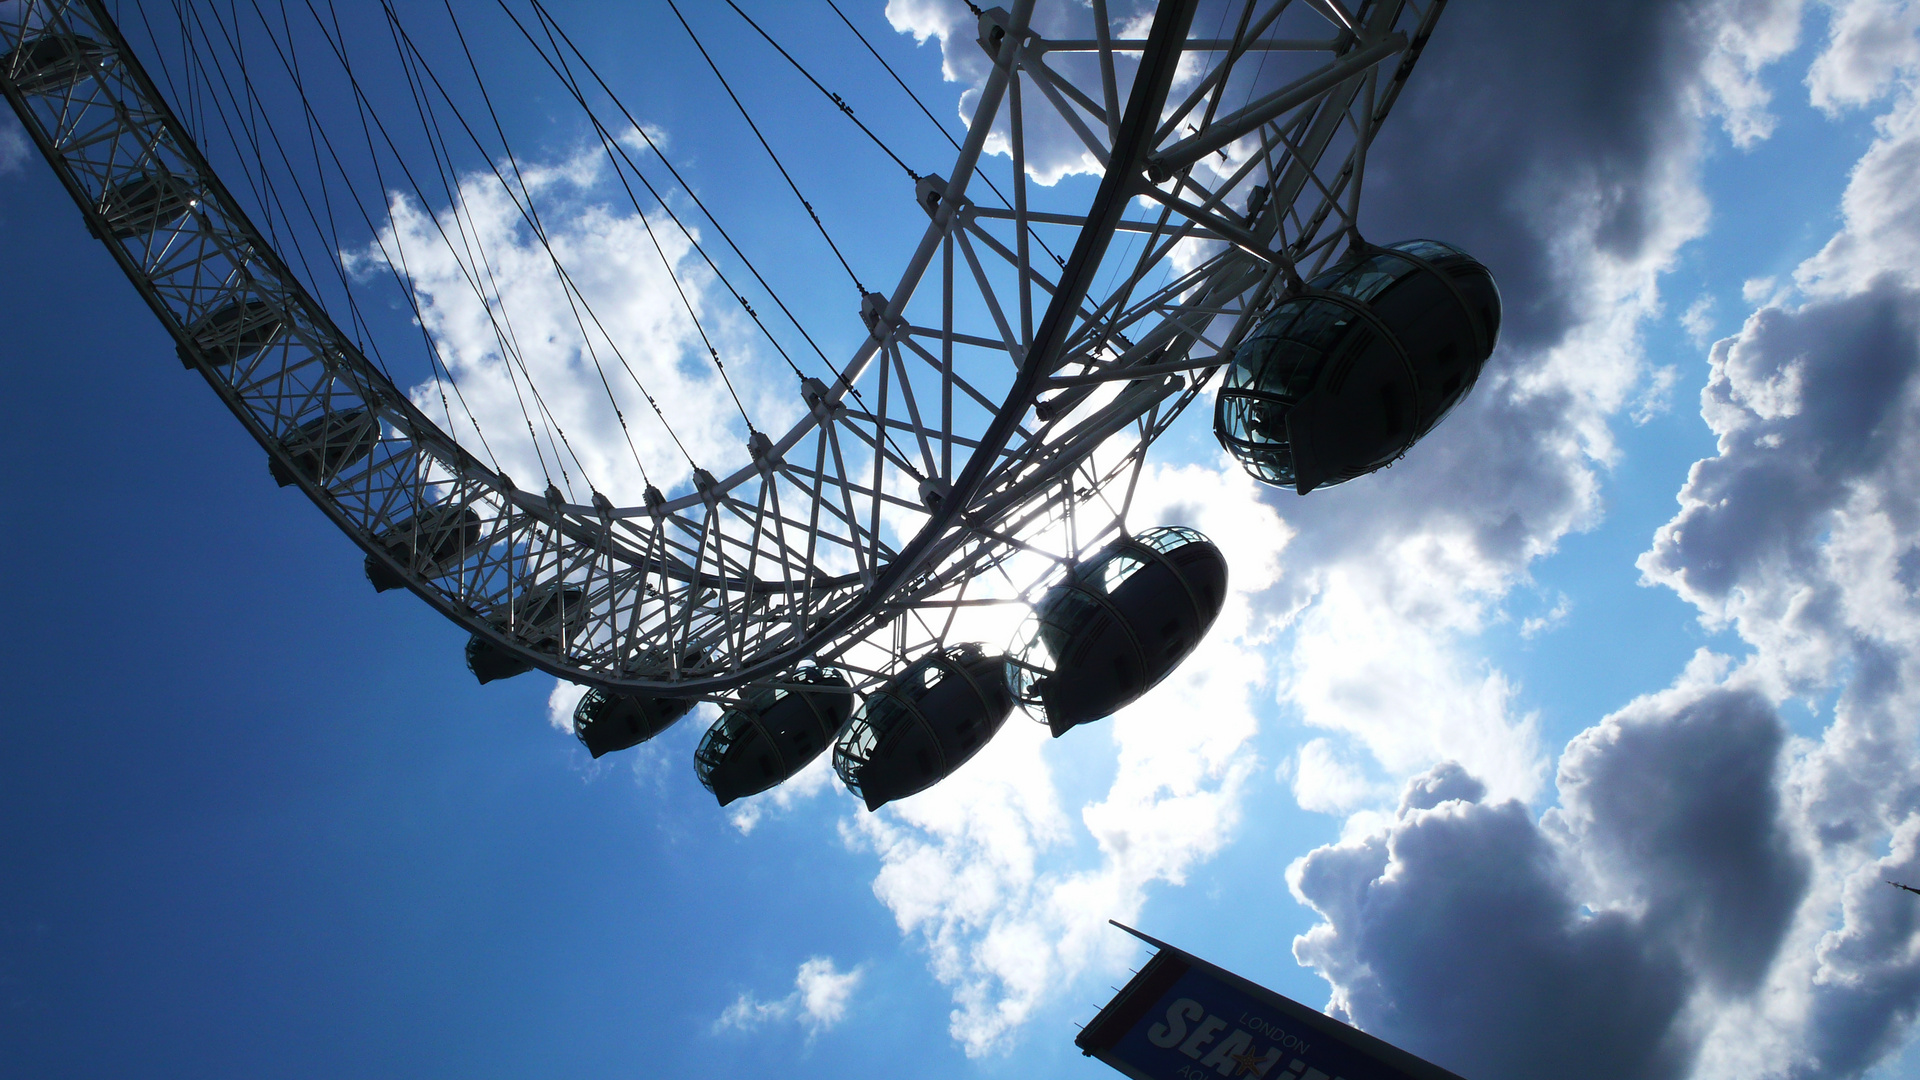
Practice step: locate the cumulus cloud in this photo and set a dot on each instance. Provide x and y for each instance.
(1870, 45)
(561, 702)
(820, 1000)
(1797, 535)
(1504, 946)
(538, 357)
(1325, 781)
(1723, 881)
(1576, 181)
(1879, 208)
(1748, 35)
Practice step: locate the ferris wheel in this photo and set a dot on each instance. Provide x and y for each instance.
(978, 451)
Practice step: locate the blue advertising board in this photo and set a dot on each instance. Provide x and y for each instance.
(1182, 1018)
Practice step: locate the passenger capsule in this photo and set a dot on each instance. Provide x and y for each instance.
(488, 661)
(234, 332)
(547, 618)
(606, 722)
(428, 542)
(52, 62)
(1344, 378)
(1120, 622)
(145, 202)
(923, 724)
(772, 733)
(324, 445)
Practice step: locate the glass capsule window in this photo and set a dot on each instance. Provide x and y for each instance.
(883, 711)
(1430, 250)
(719, 739)
(1170, 538)
(1115, 571)
(888, 708)
(917, 682)
(1046, 634)
(1370, 276)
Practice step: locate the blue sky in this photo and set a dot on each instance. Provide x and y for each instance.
(257, 821)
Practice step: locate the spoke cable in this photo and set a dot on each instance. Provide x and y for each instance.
(784, 175)
(837, 100)
(316, 136)
(509, 344)
(547, 18)
(712, 352)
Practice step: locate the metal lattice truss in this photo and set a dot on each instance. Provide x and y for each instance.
(992, 426)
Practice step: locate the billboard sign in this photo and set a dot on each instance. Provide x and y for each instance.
(1182, 1018)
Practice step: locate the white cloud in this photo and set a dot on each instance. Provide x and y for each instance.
(1325, 782)
(1720, 879)
(1697, 320)
(1871, 44)
(820, 1000)
(961, 59)
(1401, 688)
(561, 702)
(1749, 35)
(1882, 213)
(1540, 624)
(1656, 395)
(1799, 535)
(618, 316)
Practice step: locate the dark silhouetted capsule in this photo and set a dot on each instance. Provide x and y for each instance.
(145, 202)
(772, 733)
(1120, 622)
(234, 332)
(52, 62)
(544, 618)
(1344, 378)
(429, 542)
(324, 445)
(488, 661)
(605, 722)
(923, 723)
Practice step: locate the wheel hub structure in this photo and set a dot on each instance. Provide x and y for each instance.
(989, 431)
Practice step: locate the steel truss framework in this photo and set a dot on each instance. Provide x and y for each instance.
(1004, 403)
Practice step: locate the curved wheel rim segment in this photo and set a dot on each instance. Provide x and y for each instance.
(949, 447)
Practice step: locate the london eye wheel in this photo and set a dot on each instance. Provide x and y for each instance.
(971, 462)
